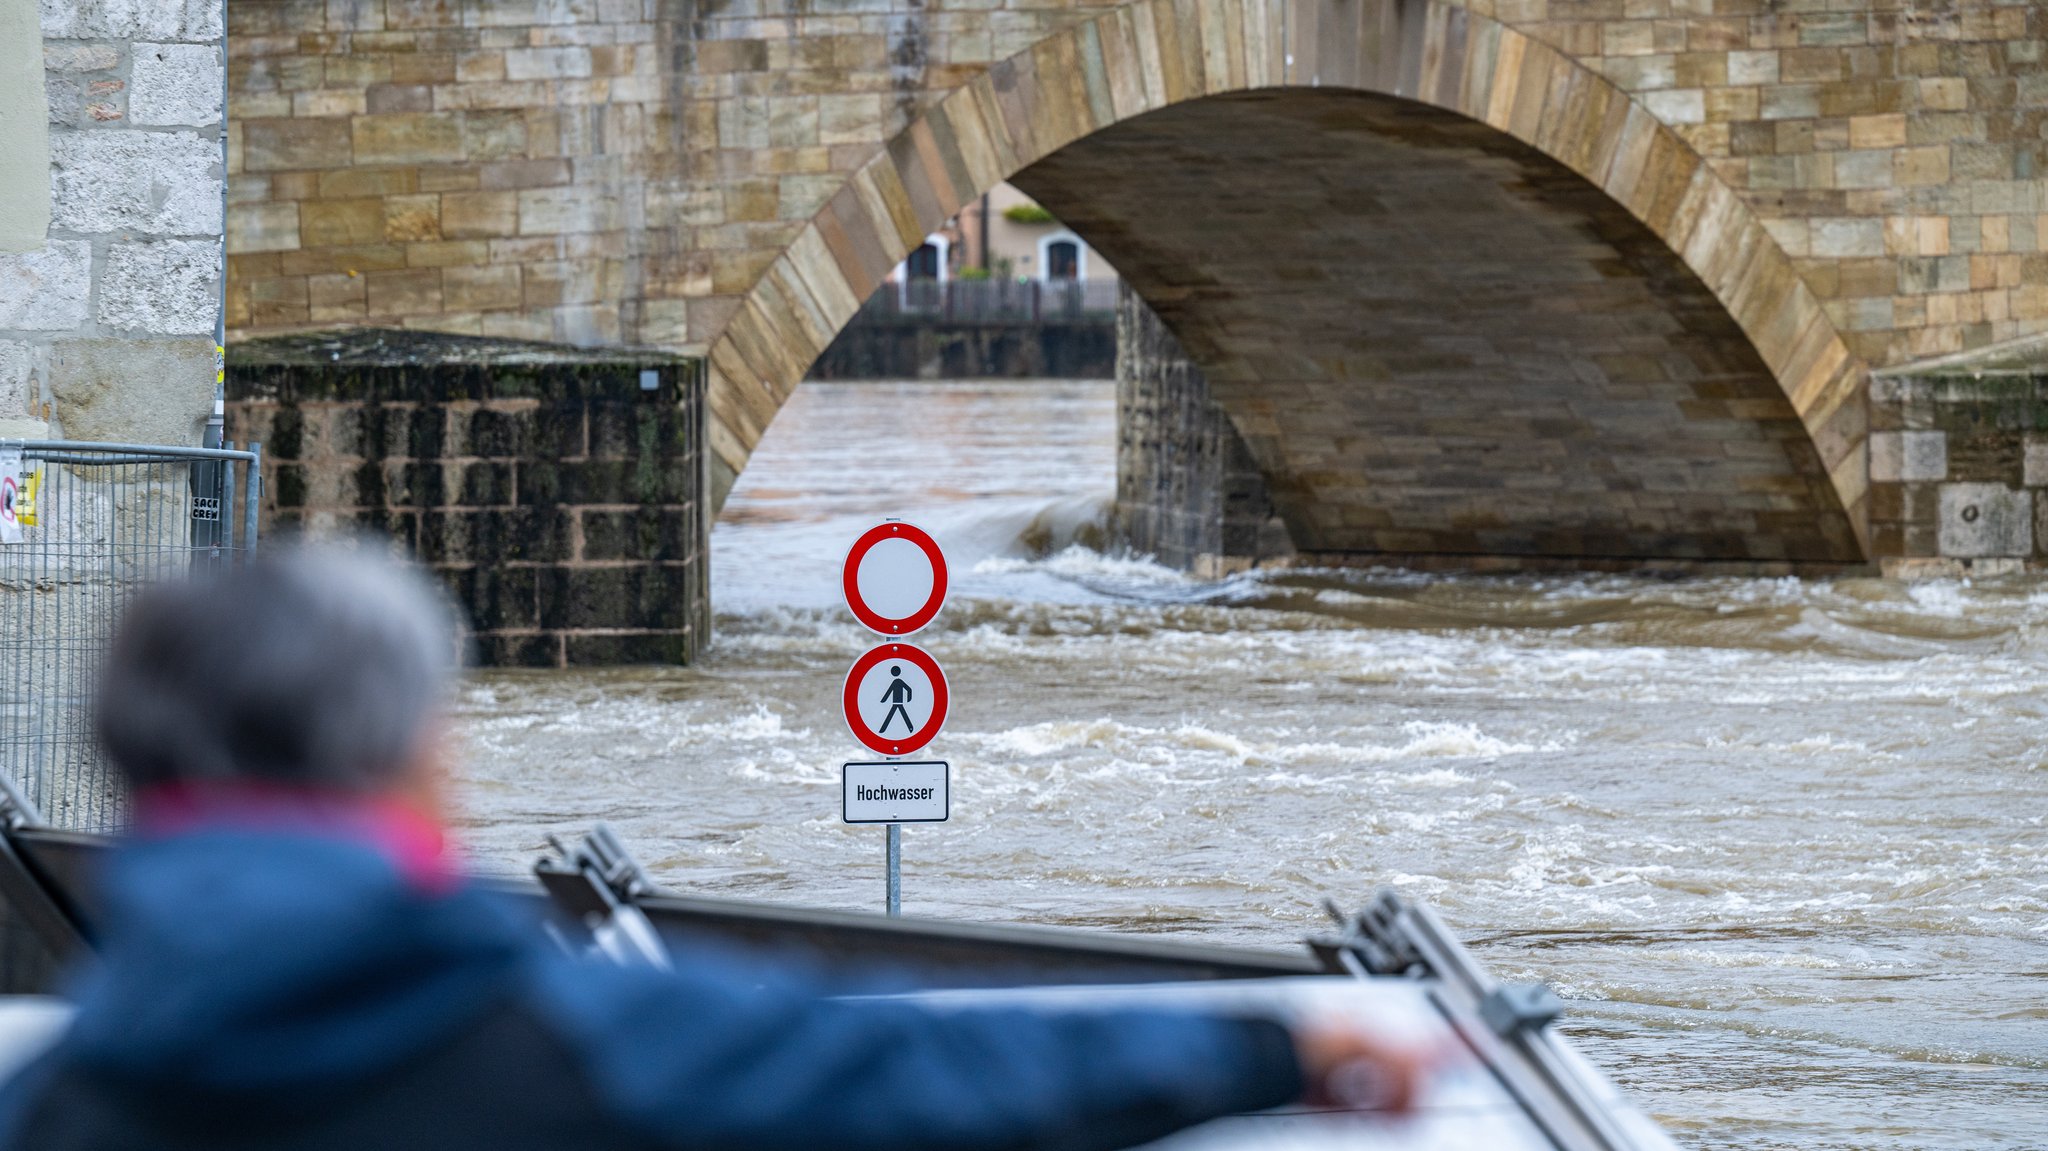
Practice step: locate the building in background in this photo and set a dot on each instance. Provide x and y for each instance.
(1005, 236)
(1003, 289)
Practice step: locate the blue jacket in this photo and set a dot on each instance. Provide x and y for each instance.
(297, 990)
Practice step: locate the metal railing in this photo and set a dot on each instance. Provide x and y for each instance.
(1029, 301)
(99, 522)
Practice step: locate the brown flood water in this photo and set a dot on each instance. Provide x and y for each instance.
(1784, 844)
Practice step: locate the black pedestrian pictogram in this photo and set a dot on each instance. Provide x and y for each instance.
(898, 694)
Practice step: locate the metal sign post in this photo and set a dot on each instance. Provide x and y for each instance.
(892, 899)
(895, 698)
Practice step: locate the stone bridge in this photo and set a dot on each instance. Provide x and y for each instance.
(1576, 280)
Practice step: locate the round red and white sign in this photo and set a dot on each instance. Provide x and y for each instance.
(894, 579)
(895, 699)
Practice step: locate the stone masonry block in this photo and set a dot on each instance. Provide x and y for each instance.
(17, 395)
(1847, 237)
(479, 214)
(1752, 67)
(641, 534)
(849, 119)
(570, 62)
(407, 138)
(263, 228)
(559, 211)
(174, 84)
(1677, 106)
(1865, 168)
(81, 57)
(1985, 520)
(608, 648)
(481, 288)
(1934, 274)
(278, 145)
(2036, 461)
(162, 183)
(1919, 167)
(639, 596)
(171, 287)
(93, 382)
(131, 20)
(66, 96)
(340, 222)
(46, 291)
(1908, 457)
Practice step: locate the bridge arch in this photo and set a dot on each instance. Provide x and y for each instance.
(1151, 56)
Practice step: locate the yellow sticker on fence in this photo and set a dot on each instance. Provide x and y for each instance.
(25, 500)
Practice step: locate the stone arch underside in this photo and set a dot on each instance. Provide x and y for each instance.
(1436, 340)
(1686, 388)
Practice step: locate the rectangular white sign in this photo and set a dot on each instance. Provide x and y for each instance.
(896, 792)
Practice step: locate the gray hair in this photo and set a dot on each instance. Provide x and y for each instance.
(313, 666)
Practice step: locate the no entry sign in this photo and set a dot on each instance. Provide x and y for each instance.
(894, 579)
(895, 699)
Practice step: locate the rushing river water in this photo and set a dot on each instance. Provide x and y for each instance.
(1782, 842)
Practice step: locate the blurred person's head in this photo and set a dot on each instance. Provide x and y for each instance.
(313, 667)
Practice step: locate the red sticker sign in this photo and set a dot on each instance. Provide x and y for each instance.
(10, 495)
(894, 579)
(895, 699)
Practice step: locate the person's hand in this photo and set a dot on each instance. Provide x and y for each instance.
(1348, 1066)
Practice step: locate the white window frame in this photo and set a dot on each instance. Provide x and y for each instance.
(945, 248)
(1045, 244)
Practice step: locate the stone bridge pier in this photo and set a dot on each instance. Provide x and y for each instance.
(1473, 282)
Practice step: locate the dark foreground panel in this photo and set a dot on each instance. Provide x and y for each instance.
(1508, 1081)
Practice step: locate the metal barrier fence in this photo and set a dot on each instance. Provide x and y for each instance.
(85, 526)
(1058, 301)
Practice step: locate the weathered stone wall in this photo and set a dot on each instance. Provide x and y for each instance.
(1857, 182)
(107, 319)
(110, 281)
(911, 347)
(558, 494)
(1959, 462)
(1188, 492)
(505, 169)
(1894, 148)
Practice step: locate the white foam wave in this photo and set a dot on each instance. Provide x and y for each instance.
(1703, 957)
(1459, 740)
(760, 724)
(1425, 740)
(1076, 562)
(783, 767)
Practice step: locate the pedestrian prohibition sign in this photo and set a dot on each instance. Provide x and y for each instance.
(894, 578)
(895, 696)
(895, 699)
